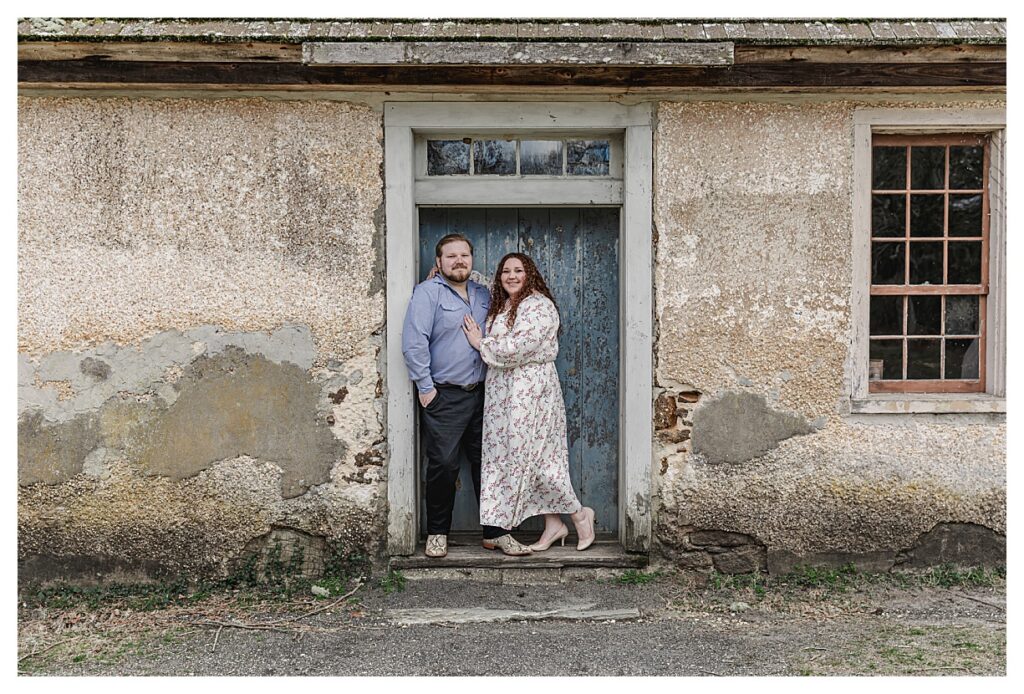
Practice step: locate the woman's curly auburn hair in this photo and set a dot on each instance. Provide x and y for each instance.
(499, 297)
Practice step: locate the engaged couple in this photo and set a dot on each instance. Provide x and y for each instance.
(484, 366)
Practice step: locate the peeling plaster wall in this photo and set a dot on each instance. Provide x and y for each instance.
(752, 288)
(200, 315)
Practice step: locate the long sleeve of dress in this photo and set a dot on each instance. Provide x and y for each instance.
(529, 341)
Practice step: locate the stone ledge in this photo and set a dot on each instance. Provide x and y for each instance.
(929, 404)
(602, 555)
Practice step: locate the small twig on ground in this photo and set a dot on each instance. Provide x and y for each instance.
(359, 584)
(983, 602)
(215, 638)
(52, 645)
(239, 625)
(813, 648)
(941, 667)
(709, 672)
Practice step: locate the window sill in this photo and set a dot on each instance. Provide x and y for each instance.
(924, 403)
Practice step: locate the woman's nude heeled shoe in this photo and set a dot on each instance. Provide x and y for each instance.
(541, 546)
(593, 530)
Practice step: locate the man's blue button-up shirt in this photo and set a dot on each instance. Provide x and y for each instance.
(435, 347)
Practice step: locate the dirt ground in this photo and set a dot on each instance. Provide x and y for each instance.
(634, 624)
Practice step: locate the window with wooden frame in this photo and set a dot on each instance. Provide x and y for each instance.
(930, 225)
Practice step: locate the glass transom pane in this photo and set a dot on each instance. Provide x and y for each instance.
(540, 157)
(447, 157)
(494, 157)
(587, 157)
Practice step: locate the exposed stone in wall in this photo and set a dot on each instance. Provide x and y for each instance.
(960, 544)
(703, 549)
(283, 552)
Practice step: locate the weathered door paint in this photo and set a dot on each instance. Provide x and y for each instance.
(576, 249)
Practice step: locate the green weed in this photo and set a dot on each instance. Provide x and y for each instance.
(392, 582)
(632, 577)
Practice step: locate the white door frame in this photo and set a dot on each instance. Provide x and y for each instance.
(402, 193)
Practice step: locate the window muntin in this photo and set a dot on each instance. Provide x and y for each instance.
(568, 157)
(929, 263)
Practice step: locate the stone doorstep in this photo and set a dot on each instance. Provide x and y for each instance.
(478, 615)
(472, 562)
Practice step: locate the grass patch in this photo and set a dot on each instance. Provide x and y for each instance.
(251, 583)
(633, 577)
(392, 582)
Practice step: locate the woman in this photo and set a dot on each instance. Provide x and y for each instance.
(525, 467)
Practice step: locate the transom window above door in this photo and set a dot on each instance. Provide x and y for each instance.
(524, 156)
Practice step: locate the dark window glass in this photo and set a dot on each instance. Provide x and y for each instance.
(962, 359)
(494, 157)
(886, 315)
(890, 353)
(447, 157)
(889, 168)
(964, 262)
(966, 166)
(540, 157)
(927, 168)
(961, 315)
(888, 262)
(924, 315)
(965, 215)
(888, 215)
(926, 215)
(926, 263)
(587, 157)
(923, 358)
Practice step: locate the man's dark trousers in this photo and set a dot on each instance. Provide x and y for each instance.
(452, 422)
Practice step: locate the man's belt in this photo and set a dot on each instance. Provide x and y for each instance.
(468, 388)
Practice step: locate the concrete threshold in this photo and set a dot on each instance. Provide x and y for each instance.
(474, 615)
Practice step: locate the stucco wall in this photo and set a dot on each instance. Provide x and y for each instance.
(200, 313)
(752, 284)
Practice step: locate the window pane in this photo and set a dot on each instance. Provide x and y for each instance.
(927, 168)
(961, 315)
(964, 262)
(923, 358)
(890, 354)
(540, 157)
(924, 315)
(966, 167)
(888, 262)
(886, 315)
(962, 359)
(965, 215)
(888, 168)
(888, 215)
(494, 157)
(926, 263)
(926, 215)
(446, 157)
(587, 157)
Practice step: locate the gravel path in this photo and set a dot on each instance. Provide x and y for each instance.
(581, 628)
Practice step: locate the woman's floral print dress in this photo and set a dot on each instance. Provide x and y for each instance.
(525, 463)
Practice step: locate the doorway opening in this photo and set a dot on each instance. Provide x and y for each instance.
(576, 249)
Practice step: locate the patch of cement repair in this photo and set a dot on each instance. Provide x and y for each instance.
(224, 405)
(741, 426)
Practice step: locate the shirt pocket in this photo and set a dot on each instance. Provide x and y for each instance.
(451, 314)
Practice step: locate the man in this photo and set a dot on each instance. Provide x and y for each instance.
(449, 377)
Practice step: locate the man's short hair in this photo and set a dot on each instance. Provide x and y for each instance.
(448, 239)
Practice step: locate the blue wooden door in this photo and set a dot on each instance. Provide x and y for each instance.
(576, 250)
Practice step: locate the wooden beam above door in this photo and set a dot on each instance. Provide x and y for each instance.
(517, 53)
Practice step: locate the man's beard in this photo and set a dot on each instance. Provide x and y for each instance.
(457, 274)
